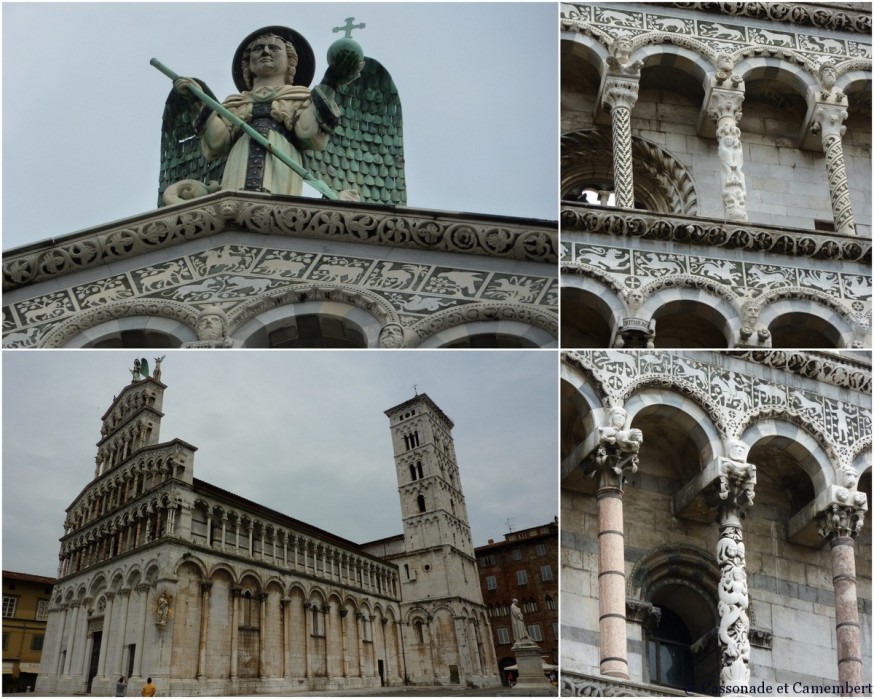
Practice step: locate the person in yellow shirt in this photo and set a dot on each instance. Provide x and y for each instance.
(149, 689)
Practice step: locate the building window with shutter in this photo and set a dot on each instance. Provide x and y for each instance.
(503, 635)
(521, 577)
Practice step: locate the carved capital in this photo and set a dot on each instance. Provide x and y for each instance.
(737, 482)
(644, 613)
(618, 445)
(829, 120)
(843, 519)
(725, 103)
(620, 92)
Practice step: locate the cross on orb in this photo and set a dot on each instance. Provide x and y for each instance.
(348, 27)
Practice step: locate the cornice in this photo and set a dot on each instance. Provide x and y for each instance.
(837, 16)
(471, 234)
(704, 232)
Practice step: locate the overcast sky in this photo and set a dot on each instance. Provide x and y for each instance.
(82, 106)
(301, 432)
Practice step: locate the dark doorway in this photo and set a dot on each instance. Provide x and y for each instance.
(130, 659)
(453, 674)
(381, 667)
(95, 656)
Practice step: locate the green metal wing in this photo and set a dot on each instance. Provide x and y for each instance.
(366, 151)
(181, 157)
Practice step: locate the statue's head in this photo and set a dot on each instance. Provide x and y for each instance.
(285, 45)
(266, 54)
(618, 416)
(212, 324)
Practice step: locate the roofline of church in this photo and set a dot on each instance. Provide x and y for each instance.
(431, 404)
(488, 235)
(203, 488)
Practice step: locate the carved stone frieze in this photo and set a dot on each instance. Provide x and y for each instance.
(747, 286)
(734, 399)
(215, 291)
(722, 42)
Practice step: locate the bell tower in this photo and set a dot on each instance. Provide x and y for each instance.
(439, 559)
(440, 586)
(432, 502)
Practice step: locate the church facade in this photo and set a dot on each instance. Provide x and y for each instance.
(256, 270)
(715, 175)
(164, 575)
(713, 510)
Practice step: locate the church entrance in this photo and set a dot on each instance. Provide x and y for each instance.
(95, 656)
(381, 668)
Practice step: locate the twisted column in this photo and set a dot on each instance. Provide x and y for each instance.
(620, 96)
(828, 120)
(737, 481)
(839, 525)
(615, 458)
(725, 110)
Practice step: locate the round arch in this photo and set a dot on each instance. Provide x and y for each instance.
(318, 323)
(149, 314)
(581, 411)
(681, 581)
(807, 322)
(781, 70)
(491, 333)
(675, 58)
(136, 331)
(795, 443)
(661, 182)
(674, 307)
(590, 312)
(675, 418)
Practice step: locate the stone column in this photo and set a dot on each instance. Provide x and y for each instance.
(235, 625)
(737, 481)
(205, 588)
(308, 633)
(105, 644)
(71, 638)
(615, 458)
(620, 96)
(724, 108)
(839, 525)
(360, 629)
(828, 120)
(63, 628)
(262, 628)
(143, 589)
(343, 640)
(119, 668)
(285, 609)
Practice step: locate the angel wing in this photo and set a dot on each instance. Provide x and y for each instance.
(366, 151)
(181, 157)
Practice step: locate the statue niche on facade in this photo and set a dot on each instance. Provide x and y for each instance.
(346, 131)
